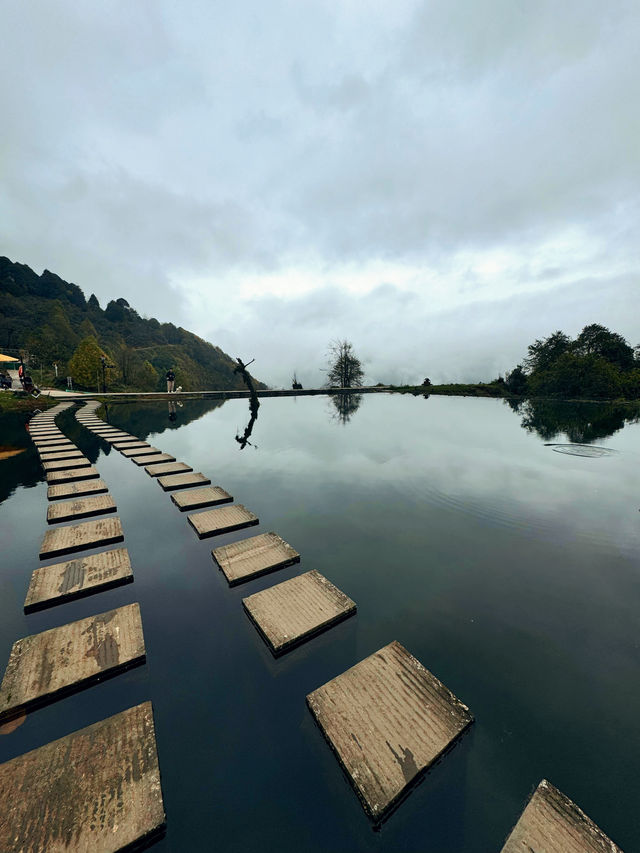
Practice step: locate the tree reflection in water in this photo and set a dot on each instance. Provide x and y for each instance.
(346, 405)
(243, 439)
(581, 423)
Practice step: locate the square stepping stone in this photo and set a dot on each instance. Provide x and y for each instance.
(80, 508)
(291, 612)
(212, 522)
(197, 498)
(43, 665)
(76, 578)
(152, 459)
(55, 447)
(70, 490)
(80, 537)
(183, 481)
(388, 719)
(71, 475)
(97, 789)
(140, 450)
(249, 558)
(66, 464)
(167, 468)
(552, 823)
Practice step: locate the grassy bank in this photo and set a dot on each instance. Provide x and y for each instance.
(18, 401)
(479, 389)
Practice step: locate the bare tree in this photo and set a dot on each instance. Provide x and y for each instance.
(345, 368)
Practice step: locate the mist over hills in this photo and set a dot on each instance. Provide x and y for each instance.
(50, 321)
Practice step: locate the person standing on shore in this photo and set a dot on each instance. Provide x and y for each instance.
(171, 380)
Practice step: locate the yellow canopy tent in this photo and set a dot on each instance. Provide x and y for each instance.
(8, 358)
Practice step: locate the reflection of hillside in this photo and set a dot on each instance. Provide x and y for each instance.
(141, 419)
(22, 469)
(581, 423)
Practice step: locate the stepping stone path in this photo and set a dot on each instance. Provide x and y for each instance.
(249, 558)
(43, 665)
(153, 459)
(293, 611)
(387, 719)
(62, 796)
(75, 578)
(552, 823)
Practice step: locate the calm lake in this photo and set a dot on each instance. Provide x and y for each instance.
(509, 569)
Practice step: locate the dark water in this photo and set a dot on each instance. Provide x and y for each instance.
(510, 570)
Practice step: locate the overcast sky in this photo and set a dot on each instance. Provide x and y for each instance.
(439, 182)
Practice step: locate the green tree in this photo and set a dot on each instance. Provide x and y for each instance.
(345, 368)
(516, 381)
(542, 353)
(598, 340)
(148, 377)
(85, 365)
(571, 375)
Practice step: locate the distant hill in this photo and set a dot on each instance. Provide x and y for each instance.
(49, 318)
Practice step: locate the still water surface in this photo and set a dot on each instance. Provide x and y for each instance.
(510, 570)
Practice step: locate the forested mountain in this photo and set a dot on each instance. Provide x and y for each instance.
(50, 321)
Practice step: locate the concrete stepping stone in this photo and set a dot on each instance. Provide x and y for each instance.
(130, 444)
(70, 476)
(197, 498)
(153, 459)
(66, 464)
(80, 508)
(141, 450)
(57, 455)
(552, 823)
(55, 661)
(47, 442)
(249, 558)
(55, 447)
(387, 719)
(212, 522)
(76, 578)
(167, 468)
(291, 612)
(183, 481)
(70, 490)
(80, 537)
(97, 789)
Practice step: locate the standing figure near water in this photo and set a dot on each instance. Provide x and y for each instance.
(171, 380)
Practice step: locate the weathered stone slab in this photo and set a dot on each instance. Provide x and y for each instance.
(80, 508)
(211, 522)
(250, 558)
(56, 661)
(57, 455)
(70, 490)
(79, 537)
(66, 464)
(96, 790)
(183, 481)
(167, 468)
(76, 578)
(154, 459)
(141, 449)
(70, 476)
(197, 498)
(130, 444)
(387, 719)
(552, 823)
(54, 446)
(291, 612)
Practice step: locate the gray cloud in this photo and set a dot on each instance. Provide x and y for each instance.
(231, 168)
